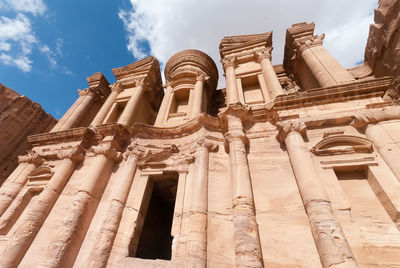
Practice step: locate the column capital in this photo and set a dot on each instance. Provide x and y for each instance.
(108, 150)
(116, 87)
(90, 91)
(76, 153)
(206, 144)
(202, 78)
(265, 54)
(235, 135)
(285, 128)
(302, 44)
(31, 157)
(133, 150)
(227, 62)
(140, 82)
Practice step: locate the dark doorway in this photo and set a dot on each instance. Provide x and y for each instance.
(155, 239)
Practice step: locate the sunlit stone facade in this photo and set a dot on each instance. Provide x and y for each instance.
(293, 165)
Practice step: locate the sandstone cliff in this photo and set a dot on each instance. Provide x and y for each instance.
(19, 118)
(382, 52)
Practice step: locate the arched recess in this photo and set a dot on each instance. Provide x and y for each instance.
(342, 144)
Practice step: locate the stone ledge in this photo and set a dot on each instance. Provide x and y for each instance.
(355, 90)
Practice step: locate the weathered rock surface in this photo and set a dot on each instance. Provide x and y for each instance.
(19, 118)
(382, 52)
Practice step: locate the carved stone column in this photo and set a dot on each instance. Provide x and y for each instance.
(77, 111)
(232, 94)
(197, 236)
(39, 209)
(198, 96)
(105, 108)
(16, 181)
(164, 108)
(102, 245)
(247, 241)
(17, 207)
(326, 70)
(133, 102)
(332, 246)
(270, 77)
(61, 243)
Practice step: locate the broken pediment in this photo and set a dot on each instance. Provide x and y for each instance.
(342, 144)
(40, 175)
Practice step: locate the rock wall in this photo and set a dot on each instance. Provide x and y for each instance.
(19, 117)
(382, 52)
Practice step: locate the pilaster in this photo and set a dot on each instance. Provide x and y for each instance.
(105, 155)
(40, 208)
(246, 236)
(198, 209)
(332, 246)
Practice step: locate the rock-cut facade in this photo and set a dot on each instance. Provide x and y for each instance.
(291, 165)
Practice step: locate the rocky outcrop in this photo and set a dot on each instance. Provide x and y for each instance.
(382, 53)
(19, 117)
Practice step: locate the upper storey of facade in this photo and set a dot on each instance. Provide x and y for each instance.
(309, 76)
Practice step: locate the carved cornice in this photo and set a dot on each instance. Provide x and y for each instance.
(372, 116)
(286, 127)
(75, 134)
(338, 93)
(31, 157)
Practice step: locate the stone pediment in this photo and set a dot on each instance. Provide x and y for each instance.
(40, 175)
(342, 144)
(230, 44)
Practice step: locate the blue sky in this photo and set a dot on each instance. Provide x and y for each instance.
(48, 48)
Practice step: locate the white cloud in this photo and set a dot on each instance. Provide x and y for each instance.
(59, 44)
(4, 46)
(21, 62)
(174, 25)
(45, 50)
(17, 39)
(36, 7)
